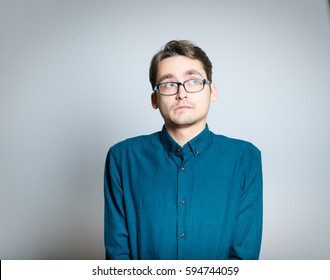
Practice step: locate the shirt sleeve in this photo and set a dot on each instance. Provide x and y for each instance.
(248, 230)
(115, 229)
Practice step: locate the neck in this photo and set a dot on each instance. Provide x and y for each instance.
(182, 135)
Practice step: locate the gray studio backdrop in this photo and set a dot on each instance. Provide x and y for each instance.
(74, 81)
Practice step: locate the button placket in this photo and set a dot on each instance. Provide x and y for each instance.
(181, 195)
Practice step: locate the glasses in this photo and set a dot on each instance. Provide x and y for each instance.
(190, 86)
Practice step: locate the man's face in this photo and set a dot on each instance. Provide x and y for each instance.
(183, 109)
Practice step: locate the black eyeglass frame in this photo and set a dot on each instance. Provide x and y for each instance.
(205, 81)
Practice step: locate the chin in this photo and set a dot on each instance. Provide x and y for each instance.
(184, 123)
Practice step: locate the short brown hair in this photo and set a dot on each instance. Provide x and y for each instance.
(174, 48)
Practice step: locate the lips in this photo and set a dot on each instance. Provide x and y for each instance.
(182, 107)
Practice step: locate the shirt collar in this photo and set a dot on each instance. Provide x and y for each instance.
(195, 145)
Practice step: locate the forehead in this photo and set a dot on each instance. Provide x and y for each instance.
(179, 67)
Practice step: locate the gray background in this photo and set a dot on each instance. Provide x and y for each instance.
(74, 81)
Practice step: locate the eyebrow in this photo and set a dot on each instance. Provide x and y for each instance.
(193, 72)
(165, 77)
(187, 73)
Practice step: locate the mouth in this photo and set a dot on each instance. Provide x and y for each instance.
(182, 107)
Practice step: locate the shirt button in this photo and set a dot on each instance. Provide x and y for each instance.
(182, 169)
(182, 234)
(178, 150)
(182, 201)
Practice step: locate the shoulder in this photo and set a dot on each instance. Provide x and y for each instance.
(235, 145)
(136, 143)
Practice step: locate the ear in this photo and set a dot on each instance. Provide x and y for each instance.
(214, 93)
(154, 100)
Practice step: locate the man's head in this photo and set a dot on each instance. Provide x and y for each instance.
(181, 78)
(175, 48)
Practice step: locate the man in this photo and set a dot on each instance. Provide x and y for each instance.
(183, 192)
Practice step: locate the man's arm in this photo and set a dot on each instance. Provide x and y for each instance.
(248, 231)
(115, 229)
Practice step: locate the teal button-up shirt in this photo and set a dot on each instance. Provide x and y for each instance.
(200, 201)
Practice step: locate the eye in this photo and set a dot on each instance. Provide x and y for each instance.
(193, 82)
(170, 85)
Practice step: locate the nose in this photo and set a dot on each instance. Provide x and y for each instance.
(182, 94)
